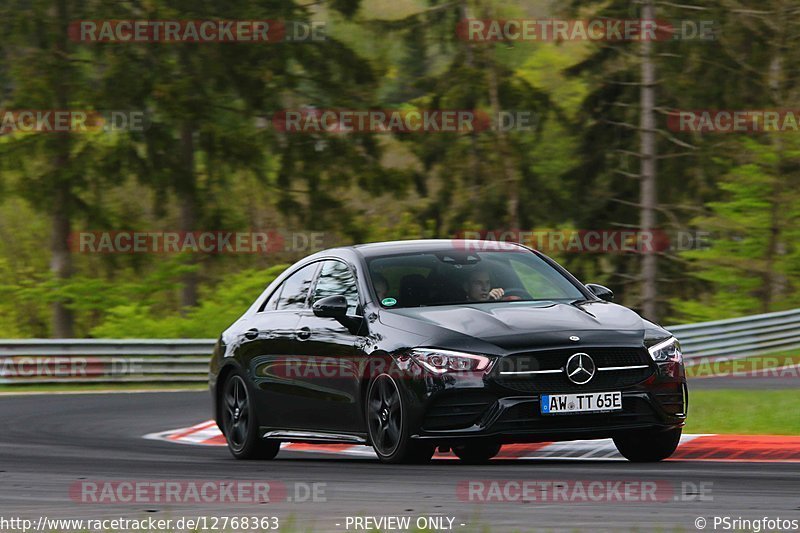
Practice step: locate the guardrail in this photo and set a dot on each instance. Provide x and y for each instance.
(41, 361)
(740, 337)
(33, 361)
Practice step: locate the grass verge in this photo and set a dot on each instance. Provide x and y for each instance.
(747, 412)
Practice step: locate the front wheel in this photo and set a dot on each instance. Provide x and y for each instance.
(648, 446)
(387, 424)
(240, 423)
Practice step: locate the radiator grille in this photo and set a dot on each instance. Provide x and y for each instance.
(556, 360)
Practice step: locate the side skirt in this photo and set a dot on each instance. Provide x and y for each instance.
(290, 435)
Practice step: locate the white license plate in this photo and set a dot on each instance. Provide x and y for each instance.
(590, 402)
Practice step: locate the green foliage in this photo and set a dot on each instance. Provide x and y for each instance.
(752, 261)
(211, 161)
(220, 307)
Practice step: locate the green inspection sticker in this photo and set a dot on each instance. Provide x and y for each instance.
(388, 302)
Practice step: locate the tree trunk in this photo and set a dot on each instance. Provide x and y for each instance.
(509, 173)
(648, 198)
(475, 182)
(774, 283)
(60, 259)
(187, 198)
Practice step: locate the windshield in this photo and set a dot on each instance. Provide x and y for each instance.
(459, 277)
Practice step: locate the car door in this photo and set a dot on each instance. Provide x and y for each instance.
(333, 354)
(268, 348)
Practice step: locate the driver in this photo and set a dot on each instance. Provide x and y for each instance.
(479, 287)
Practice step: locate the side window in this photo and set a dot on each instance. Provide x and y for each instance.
(272, 303)
(294, 290)
(334, 279)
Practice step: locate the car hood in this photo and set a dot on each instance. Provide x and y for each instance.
(526, 325)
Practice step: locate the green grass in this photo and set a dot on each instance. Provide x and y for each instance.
(753, 412)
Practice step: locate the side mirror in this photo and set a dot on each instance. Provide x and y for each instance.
(331, 307)
(604, 293)
(336, 307)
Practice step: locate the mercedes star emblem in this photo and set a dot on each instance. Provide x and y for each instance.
(580, 368)
(574, 338)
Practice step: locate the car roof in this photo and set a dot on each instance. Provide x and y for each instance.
(378, 249)
(431, 245)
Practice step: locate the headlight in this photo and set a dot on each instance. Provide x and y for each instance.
(441, 361)
(666, 351)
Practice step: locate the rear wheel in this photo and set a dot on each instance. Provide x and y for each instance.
(387, 425)
(476, 453)
(648, 446)
(240, 423)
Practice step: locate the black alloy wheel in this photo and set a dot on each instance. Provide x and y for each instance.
(240, 423)
(387, 425)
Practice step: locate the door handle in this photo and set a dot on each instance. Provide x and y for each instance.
(303, 333)
(251, 334)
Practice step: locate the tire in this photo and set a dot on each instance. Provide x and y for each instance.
(648, 446)
(387, 425)
(240, 422)
(476, 453)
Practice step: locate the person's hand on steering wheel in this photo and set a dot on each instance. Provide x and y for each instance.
(496, 294)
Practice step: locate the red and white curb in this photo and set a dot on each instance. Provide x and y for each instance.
(693, 447)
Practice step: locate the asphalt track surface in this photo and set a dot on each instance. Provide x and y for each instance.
(50, 442)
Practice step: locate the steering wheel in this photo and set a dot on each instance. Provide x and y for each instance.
(514, 294)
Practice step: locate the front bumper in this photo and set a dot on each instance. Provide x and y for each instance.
(451, 409)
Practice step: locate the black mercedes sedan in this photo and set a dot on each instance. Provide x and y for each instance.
(411, 346)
